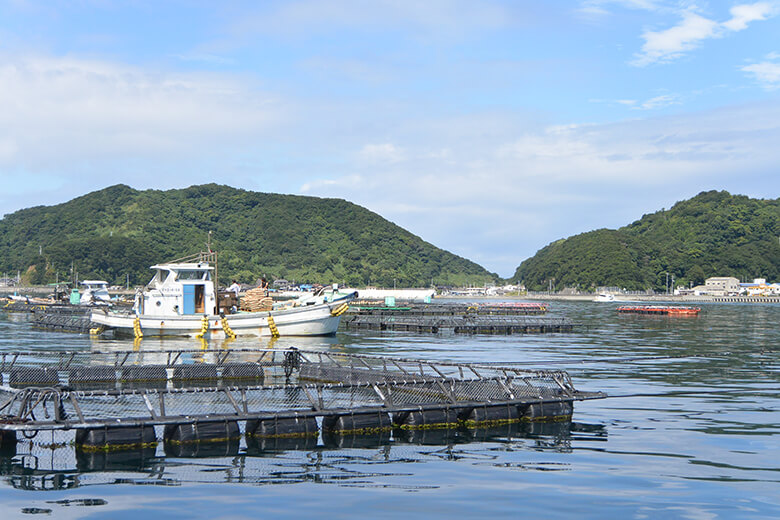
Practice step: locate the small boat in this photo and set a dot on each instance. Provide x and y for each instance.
(604, 297)
(182, 300)
(94, 292)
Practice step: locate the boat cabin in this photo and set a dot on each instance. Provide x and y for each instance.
(180, 289)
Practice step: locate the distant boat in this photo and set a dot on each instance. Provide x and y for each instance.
(604, 297)
(94, 292)
(181, 300)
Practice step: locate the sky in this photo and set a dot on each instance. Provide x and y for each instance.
(488, 128)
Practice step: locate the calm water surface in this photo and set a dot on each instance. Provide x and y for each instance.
(691, 430)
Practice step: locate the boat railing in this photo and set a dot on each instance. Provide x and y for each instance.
(203, 256)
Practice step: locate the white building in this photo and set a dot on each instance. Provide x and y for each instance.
(722, 286)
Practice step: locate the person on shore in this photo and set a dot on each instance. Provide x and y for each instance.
(264, 285)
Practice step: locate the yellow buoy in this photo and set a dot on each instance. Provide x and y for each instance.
(137, 328)
(204, 327)
(272, 327)
(228, 331)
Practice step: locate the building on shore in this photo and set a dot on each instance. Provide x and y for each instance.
(721, 286)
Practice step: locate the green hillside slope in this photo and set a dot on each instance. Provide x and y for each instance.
(712, 234)
(116, 232)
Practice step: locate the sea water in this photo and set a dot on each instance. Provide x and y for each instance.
(691, 430)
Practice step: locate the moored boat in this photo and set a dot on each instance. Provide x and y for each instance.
(94, 292)
(182, 300)
(604, 297)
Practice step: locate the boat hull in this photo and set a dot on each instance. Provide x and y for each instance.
(315, 320)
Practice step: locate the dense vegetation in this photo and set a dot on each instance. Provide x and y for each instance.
(712, 234)
(119, 232)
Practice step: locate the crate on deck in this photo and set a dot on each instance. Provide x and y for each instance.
(228, 302)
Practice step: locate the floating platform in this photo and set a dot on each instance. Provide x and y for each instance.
(449, 309)
(29, 305)
(63, 318)
(459, 324)
(123, 400)
(659, 310)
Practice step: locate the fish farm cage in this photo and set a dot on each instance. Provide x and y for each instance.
(448, 309)
(62, 318)
(115, 400)
(659, 310)
(467, 324)
(443, 318)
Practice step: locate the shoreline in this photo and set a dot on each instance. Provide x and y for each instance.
(624, 298)
(619, 298)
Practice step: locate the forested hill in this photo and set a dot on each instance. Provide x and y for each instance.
(712, 234)
(117, 231)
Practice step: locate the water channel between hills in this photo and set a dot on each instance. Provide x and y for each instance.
(692, 430)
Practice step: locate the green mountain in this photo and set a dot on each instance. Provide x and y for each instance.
(712, 234)
(119, 232)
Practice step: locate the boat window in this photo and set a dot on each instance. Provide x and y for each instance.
(189, 275)
(158, 278)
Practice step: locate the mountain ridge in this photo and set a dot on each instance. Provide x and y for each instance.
(118, 232)
(713, 233)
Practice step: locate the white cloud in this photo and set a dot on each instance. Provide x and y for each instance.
(382, 153)
(670, 44)
(657, 102)
(349, 181)
(767, 73)
(667, 45)
(511, 196)
(433, 18)
(60, 110)
(746, 13)
(599, 7)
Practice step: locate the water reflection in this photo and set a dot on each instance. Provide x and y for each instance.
(333, 459)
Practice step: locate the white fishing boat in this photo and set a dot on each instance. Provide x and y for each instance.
(181, 300)
(94, 292)
(604, 297)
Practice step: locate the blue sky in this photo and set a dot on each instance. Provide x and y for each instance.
(488, 128)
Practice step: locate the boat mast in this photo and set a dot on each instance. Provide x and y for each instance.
(216, 273)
